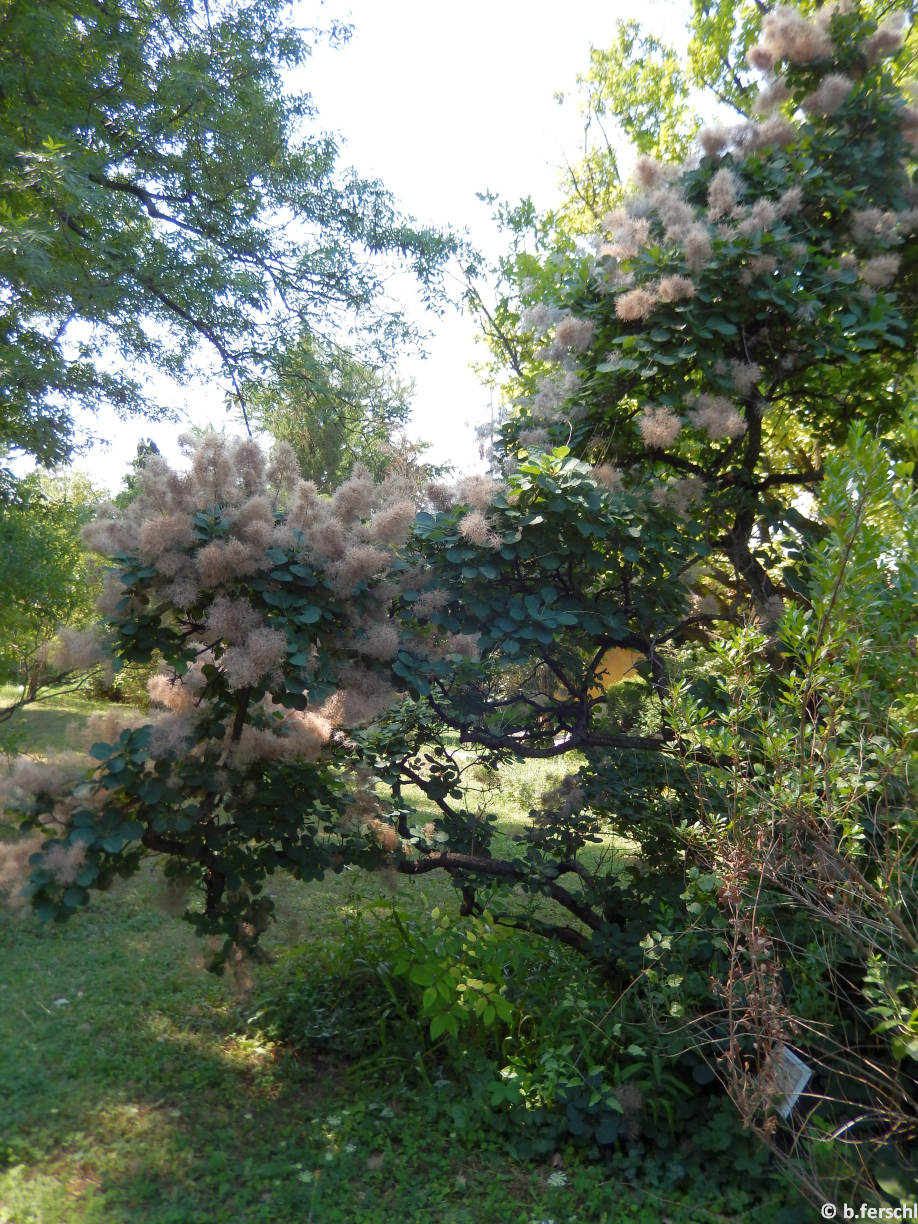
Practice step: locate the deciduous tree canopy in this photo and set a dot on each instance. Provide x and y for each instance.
(160, 186)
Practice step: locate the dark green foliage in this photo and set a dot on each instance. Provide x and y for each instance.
(570, 570)
(551, 1071)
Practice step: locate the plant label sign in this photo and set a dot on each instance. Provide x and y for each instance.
(790, 1076)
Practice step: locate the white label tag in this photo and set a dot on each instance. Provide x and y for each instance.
(790, 1076)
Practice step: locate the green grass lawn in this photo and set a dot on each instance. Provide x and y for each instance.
(133, 1087)
(45, 725)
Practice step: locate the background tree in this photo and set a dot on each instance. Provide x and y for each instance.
(334, 410)
(46, 579)
(159, 193)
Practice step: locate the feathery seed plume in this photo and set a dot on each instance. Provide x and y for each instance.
(648, 172)
(887, 39)
(184, 592)
(430, 601)
(478, 491)
(463, 644)
(354, 498)
(761, 58)
(440, 496)
(776, 130)
(533, 437)
(249, 463)
(790, 202)
(658, 427)
(745, 375)
(156, 535)
(359, 563)
(629, 234)
(212, 469)
(233, 619)
(328, 538)
(788, 35)
(718, 417)
(609, 477)
(635, 304)
(283, 469)
(475, 528)
(76, 649)
(380, 641)
(64, 862)
(221, 560)
(714, 140)
(392, 524)
(829, 96)
(170, 693)
(880, 271)
(771, 97)
(696, 244)
(574, 333)
(759, 218)
(675, 288)
(261, 652)
(723, 191)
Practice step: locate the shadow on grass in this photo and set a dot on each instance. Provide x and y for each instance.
(133, 1093)
(130, 1095)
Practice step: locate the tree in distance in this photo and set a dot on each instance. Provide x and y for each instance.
(160, 192)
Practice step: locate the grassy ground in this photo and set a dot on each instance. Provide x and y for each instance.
(134, 1090)
(46, 725)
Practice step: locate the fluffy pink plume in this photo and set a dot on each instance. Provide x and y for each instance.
(379, 641)
(880, 271)
(718, 417)
(233, 618)
(635, 304)
(475, 528)
(658, 426)
(171, 693)
(64, 862)
(696, 244)
(392, 524)
(157, 535)
(76, 649)
(675, 288)
(256, 658)
(249, 464)
(648, 172)
(829, 96)
(283, 469)
(354, 498)
(430, 601)
(771, 97)
(359, 563)
(478, 491)
(222, 560)
(723, 193)
(575, 334)
(15, 867)
(609, 477)
(787, 34)
(629, 235)
(212, 469)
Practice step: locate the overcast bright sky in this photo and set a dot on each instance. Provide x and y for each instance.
(441, 101)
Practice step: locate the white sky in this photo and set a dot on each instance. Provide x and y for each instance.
(441, 101)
